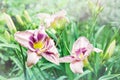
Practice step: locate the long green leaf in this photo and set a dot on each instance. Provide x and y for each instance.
(9, 46)
(81, 75)
(62, 78)
(108, 77)
(99, 31)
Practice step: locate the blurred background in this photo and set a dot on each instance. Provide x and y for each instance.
(78, 9)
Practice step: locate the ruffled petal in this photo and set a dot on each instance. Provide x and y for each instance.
(23, 37)
(54, 58)
(46, 18)
(51, 53)
(82, 43)
(89, 50)
(40, 34)
(60, 14)
(49, 19)
(77, 67)
(67, 59)
(32, 58)
(50, 45)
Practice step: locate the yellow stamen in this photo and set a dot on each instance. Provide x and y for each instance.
(81, 55)
(38, 45)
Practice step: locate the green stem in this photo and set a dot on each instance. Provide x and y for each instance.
(44, 78)
(18, 56)
(24, 67)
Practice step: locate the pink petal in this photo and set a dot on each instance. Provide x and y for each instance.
(48, 21)
(54, 17)
(77, 67)
(89, 50)
(23, 37)
(51, 53)
(54, 58)
(40, 34)
(46, 18)
(60, 14)
(32, 58)
(80, 43)
(51, 47)
(67, 59)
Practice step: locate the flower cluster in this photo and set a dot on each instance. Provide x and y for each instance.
(40, 45)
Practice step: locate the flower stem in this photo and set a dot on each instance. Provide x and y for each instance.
(24, 67)
(41, 72)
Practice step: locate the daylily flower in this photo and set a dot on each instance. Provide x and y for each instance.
(80, 51)
(56, 20)
(39, 45)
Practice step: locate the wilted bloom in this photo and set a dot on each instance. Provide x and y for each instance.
(39, 45)
(80, 50)
(56, 20)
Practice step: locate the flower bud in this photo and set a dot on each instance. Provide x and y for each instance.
(27, 17)
(7, 36)
(10, 23)
(110, 49)
(19, 20)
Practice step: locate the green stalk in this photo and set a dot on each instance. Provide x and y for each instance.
(66, 52)
(24, 67)
(18, 56)
(44, 78)
(93, 27)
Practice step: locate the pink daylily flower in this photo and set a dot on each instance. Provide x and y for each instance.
(52, 19)
(80, 51)
(39, 45)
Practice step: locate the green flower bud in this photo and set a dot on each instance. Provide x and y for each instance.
(7, 36)
(19, 20)
(27, 17)
(110, 49)
(10, 23)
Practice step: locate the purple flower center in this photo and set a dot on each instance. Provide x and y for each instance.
(81, 50)
(37, 43)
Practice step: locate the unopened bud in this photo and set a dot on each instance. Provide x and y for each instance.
(10, 23)
(27, 17)
(7, 36)
(110, 49)
(19, 20)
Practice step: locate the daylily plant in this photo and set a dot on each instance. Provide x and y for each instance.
(56, 20)
(39, 45)
(80, 51)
